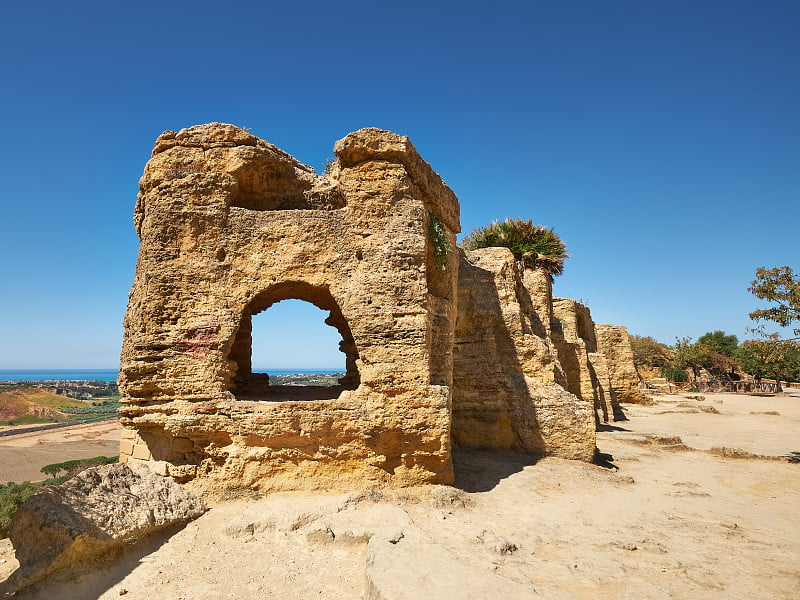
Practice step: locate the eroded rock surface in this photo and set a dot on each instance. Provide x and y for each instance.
(93, 514)
(230, 225)
(508, 385)
(597, 359)
(615, 344)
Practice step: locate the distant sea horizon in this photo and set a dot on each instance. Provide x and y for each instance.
(111, 374)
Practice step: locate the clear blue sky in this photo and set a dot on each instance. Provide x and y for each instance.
(660, 139)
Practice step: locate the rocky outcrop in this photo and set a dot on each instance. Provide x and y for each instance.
(588, 370)
(94, 514)
(508, 385)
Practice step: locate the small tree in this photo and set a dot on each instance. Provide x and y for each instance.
(535, 246)
(689, 356)
(675, 374)
(771, 355)
(778, 359)
(720, 342)
(780, 286)
(718, 353)
(647, 352)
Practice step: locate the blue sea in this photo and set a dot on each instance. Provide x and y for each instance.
(111, 374)
(58, 374)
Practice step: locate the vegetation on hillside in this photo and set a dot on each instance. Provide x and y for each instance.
(12, 495)
(30, 405)
(73, 467)
(27, 405)
(535, 246)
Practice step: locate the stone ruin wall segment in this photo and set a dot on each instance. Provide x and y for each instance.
(463, 352)
(228, 225)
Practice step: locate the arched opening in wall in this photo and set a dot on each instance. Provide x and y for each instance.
(293, 343)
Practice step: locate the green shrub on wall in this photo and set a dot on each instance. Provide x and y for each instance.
(440, 239)
(535, 246)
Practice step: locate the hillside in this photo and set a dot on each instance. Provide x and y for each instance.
(33, 405)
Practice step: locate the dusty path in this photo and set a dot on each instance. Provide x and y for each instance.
(662, 520)
(22, 455)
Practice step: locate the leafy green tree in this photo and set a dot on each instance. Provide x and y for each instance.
(780, 286)
(535, 246)
(675, 374)
(720, 342)
(718, 352)
(649, 352)
(772, 357)
(687, 355)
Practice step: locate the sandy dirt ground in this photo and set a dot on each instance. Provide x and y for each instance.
(21, 456)
(660, 518)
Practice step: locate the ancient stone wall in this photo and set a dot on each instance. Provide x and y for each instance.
(597, 359)
(573, 336)
(229, 225)
(508, 386)
(441, 346)
(615, 344)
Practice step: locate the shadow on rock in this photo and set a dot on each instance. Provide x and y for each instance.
(92, 519)
(793, 457)
(480, 470)
(619, 413)
(90, 578)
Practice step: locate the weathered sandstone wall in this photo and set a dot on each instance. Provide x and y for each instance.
(229, 225)
(441, 346)
(597, 360)
(615, 344)
(588, 371)
(508, 386)
(539, 285)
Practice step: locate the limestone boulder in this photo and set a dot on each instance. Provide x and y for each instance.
(96, 513)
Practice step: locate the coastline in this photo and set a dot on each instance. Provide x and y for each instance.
(21, 375)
